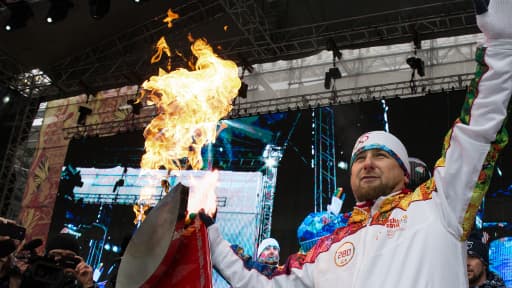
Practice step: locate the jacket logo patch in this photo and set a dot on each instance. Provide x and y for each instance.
(344, 254)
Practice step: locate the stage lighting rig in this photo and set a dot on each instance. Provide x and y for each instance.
(242, 92)
(334, 72)
(416, 64)
(58, 10)
(21, 12)
(135, 105)
(83, 112)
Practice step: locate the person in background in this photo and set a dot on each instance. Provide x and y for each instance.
(66, 245)
(479, 275)
(62, 251)
(268, 252)
(10, 275)
(396, 237)
(419, 173)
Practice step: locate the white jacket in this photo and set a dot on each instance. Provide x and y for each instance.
(406, 239)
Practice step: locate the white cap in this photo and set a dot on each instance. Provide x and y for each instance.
(384, 141)
(267, 242)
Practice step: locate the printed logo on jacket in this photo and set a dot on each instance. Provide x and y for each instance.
(344, 254)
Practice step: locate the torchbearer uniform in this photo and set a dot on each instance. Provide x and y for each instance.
(411, 238)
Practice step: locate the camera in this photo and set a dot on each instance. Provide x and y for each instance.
(12, 230)
(48, 272)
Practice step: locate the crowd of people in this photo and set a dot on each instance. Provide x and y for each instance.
(59, 266)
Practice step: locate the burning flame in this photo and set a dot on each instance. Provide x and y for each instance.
(140, 213)
(161, 47)
(142, 205)
(202, 193)
(190, 103)
(170, 16)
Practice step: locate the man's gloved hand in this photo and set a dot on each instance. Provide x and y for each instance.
(494, 18)
(335, 205)
(206, 219)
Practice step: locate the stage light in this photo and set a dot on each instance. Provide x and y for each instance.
(58, 10)
(327, 81)
(331, 46)
(98, 8)
(242, 92)
(119, 183)
(6, 99)
(107, 247)
(115, 249)
(416, 64)
(20, 13)
(270, 162)
(343, 165)
(83, 113)
(136, 106)
(334, 72)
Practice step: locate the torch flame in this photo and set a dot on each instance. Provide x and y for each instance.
(161, 47)
(190, 103)
(170, 16)
(202, 194)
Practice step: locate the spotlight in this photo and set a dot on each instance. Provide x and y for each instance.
(416, 64)
(327, 81)
(335, 73)
(331, 46)
(99, 8)
(136, 106)
(20, 13)
(242, 92)
(83, 112)
(119, 183)
(58, 10)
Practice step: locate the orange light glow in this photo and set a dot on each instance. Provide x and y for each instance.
(140, 213)
(189, 103)
(226, 28)
(170, 16)
(161, 47)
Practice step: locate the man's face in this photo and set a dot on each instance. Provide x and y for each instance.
(476, 270)
(270, 255)
(61, 253)
(375, 173)
(58, 254)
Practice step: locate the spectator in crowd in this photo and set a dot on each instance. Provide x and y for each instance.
(10, 275)
(268, 252)
(62, 266)
(479, 275)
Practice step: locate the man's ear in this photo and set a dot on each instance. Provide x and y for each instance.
(406, 179)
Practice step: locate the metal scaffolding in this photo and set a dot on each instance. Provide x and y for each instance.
(272, 155)
(324, 157)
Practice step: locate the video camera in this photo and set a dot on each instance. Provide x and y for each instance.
(49, 272)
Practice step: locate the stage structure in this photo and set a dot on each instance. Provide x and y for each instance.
(244, 199)
(324, 156)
